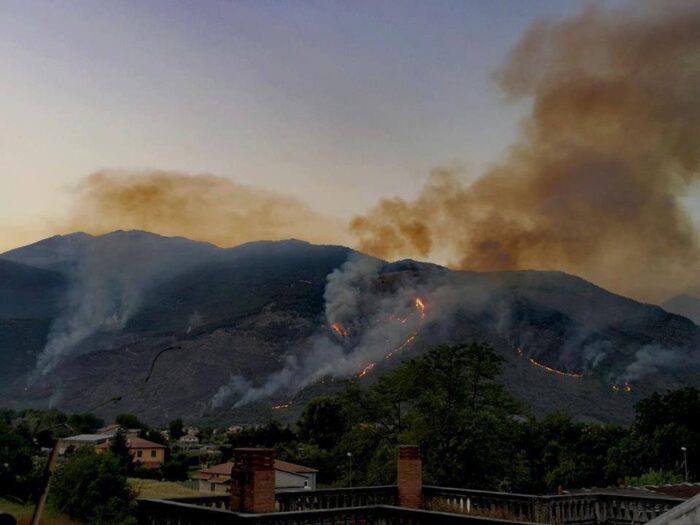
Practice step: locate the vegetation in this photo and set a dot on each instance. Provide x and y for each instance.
(92, 488)
(176, 429)
(149, 488)
(473, 434)
(450, 401)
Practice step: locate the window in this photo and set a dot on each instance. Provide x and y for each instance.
(212, 487)
(139, 453)
(153, 453)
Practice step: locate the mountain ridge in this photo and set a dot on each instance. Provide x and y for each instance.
(245, 312)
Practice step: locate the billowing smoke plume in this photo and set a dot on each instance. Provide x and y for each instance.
(109, 277)
(199, 207)
(594, 184)
(652, 359)
(374, 328)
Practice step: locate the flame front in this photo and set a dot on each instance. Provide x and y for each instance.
(618, 387)
(339, 329)
(282, 406)
(624, 387)
(554, 370)
(363, 372)
(420, 306)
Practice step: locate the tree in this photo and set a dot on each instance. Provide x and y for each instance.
(323, 422)
(176, 429)
(176, 468)
(17, 476)
(91, 488)
(84, 423)
(663, 424)
(451, 403)
(120, 450)
(129, 421)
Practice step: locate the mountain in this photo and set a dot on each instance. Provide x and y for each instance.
(93, 317)
(685, 305)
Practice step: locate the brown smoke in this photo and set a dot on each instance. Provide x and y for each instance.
(200, 207)
(593, 185)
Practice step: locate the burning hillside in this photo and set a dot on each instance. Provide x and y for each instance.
(419, 316)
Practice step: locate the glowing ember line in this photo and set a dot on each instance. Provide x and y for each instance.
(282, 406)
(363, 372)
(553, 370)
(420, 306)
(339, 329)
(624, 387)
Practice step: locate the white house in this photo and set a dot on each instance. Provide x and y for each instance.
(288, 476)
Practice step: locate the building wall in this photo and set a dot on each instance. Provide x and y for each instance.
(150, 457)
(213, 488)
(288, 480)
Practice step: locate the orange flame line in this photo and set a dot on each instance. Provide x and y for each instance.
(554, 370)
(339, 329)
(420, 306)
(624, 387)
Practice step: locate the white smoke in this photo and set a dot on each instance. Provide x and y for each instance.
(373, 318)
(652, 359)
(108, 284)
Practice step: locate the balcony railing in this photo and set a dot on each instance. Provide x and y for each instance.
(335, 498)
(375, 506)
(573, 509)
(163, 512)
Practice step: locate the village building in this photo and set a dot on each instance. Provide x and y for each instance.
(288, 476)
(143, 452)
(82, 440)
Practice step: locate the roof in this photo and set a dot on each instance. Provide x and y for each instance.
(135, 442)
(293, 467)
(284, 466)
(88, 437)
(222, 468)
(680, 490)
(684, 490)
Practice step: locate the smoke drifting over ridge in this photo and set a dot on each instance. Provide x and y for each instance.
(377, 322)
(593, 186)
(200, 207)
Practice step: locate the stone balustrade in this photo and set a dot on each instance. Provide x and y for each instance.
(573, 509)
(287, 501)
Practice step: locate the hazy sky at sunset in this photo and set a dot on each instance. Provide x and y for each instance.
(338, 103)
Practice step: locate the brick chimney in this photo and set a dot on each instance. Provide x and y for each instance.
(410, 477)
(253, 480)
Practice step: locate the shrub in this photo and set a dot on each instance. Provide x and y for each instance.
(91, 487)
(654, 477)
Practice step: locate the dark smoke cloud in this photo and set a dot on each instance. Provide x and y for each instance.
(594, 184)
(200, 207)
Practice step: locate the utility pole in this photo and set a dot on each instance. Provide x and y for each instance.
(350, 469)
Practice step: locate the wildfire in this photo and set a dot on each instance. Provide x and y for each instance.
(618, 387)
(554, 370)
(624, 387)
(363, 372)
(339, 329)
(282, 406)
(420, 306)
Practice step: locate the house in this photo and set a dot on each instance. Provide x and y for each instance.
(189, 439)
(146, 453)
(83, 440)
(112, 429)
(288, 476)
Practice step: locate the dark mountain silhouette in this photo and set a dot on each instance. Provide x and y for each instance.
(122, 298)
(685, 305)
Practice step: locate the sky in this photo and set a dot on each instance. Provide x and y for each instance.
(337, 103)
(484, 135)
